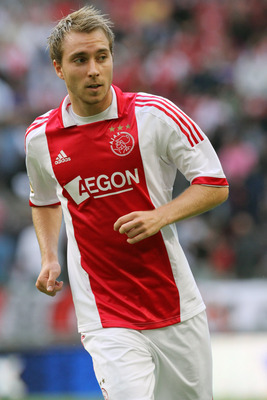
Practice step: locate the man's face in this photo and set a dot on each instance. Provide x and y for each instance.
(87, 69)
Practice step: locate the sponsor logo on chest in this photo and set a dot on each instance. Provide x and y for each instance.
(81, 189)
(119, 143)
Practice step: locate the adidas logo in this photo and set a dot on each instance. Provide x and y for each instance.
(62, 157)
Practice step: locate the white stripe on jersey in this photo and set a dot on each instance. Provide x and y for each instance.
(186, 125)
(38, 122)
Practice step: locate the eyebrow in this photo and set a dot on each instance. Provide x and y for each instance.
(84, 53)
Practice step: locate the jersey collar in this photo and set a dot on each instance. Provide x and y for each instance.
(116, 109)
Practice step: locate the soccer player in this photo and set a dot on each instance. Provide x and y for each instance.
(108, 160)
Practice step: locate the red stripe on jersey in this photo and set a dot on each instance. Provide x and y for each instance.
(210, 181)
(45, 116)
(182, 118)
(39, 121)
(34, 126)
(42, 118)
(31, 128)
(191, 122)
(192, 127)
(169, 115)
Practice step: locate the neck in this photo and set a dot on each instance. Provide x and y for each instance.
(89, 109)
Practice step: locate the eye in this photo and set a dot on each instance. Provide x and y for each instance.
(79, 60)
(102, 57)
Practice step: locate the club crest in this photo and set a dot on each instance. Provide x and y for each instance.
(122, 143)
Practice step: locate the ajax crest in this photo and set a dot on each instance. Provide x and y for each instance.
(122, 143)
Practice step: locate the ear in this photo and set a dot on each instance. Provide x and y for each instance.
(58, 69)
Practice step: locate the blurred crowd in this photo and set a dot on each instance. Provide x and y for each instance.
(209, 57)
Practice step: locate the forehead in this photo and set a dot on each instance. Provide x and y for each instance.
(76, 42)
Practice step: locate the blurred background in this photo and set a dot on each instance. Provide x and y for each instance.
(210, 58)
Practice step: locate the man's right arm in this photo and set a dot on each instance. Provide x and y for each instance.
(47, 223)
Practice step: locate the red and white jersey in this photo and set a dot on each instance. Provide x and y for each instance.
(124, 160)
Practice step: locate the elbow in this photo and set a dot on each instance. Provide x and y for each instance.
(223, 194)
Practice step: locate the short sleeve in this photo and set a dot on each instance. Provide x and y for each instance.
(198, 163)
(43, 183)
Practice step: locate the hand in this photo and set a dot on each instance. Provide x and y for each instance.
(47, 282)
(139, 225)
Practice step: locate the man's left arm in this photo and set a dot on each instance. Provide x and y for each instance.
(195, 200)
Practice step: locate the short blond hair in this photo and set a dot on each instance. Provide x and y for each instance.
(86, 19)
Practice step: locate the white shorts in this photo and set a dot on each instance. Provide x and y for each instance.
(172, 363)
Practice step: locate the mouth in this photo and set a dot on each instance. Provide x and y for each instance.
(94, 86)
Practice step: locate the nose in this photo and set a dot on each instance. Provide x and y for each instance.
(92, 69)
